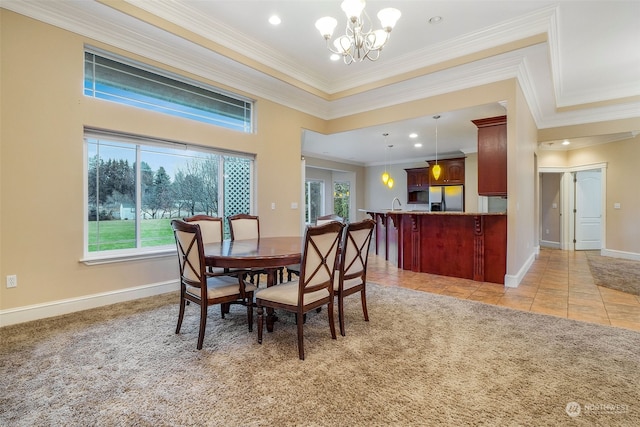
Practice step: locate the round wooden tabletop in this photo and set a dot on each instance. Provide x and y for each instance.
(264, 252)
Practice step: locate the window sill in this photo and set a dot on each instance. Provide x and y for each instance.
(124, 257)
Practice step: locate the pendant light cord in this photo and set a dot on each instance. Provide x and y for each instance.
(436, 117)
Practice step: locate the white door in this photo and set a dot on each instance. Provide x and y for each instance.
(588, 215)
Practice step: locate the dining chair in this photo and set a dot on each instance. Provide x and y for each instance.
(314, 288)
(211, 229)
(294, 269)
(199, 286)
(351, 276)
(242, 227)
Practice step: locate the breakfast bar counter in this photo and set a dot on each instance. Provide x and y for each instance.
(456, 244)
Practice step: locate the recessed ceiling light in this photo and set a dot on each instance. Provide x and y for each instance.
(413, 135)
(435, 20)
(417, 145)
(565, 142)
(275, 20)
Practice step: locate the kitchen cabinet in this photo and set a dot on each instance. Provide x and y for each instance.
(452, 172)
(456, 244)
(492, 156)
(418, 185)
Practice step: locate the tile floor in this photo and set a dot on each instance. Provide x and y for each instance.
(558, 283)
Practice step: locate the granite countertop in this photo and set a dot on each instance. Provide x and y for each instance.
(424, 212)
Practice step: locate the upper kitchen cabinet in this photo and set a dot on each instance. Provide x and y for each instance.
(452, 172)
(492, 156)
(418, 178)
(417, 185)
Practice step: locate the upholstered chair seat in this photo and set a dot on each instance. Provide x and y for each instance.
(218, 287)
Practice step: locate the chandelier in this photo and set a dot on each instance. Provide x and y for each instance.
(360, 41)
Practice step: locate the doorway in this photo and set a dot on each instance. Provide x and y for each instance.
(574, 199)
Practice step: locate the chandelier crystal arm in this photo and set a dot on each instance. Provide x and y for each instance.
(359, 41)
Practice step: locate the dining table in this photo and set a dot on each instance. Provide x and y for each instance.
(269, 253)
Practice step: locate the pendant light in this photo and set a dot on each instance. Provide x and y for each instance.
(386, 178)
(436, 169)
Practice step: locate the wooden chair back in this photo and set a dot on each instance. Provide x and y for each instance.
(355, 249)
(210, 227)
(244, 226)
(190, 254)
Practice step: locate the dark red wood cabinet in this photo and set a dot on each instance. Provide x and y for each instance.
(417, 185)
(467, 245)
(492, 156)
(470, 246)
(452, 172)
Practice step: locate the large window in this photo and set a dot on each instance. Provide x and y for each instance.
(114, 78)
(135, 186)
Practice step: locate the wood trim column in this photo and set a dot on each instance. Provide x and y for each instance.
(415, 243)
(393, 226)
(478, 248)
(381, 233)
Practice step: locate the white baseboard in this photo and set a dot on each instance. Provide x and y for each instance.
(512, 281)
(57, 308)
(620, 254)
(549, 244)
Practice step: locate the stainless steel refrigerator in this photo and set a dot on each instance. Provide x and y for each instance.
(446, 198)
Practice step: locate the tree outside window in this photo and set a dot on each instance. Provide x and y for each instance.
(341, 199)
(128, 209)
(314, 200)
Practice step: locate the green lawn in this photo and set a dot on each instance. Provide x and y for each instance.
(121, 234)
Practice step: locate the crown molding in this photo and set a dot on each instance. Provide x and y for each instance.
(106, 25)
(528, 89)
(526, 26)
(185, 16)
(594, 115)
(438, 83)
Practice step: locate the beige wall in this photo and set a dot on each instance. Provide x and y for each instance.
(522, 220)
(622, 232)
(43, 114)
(471, 183)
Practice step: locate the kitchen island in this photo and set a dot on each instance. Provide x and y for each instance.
(456, 244)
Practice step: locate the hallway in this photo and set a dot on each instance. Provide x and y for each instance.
(559, 283)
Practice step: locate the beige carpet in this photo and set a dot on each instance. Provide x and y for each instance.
(422, 360)
(615, 273)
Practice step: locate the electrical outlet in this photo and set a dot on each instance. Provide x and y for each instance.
(12, 281)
